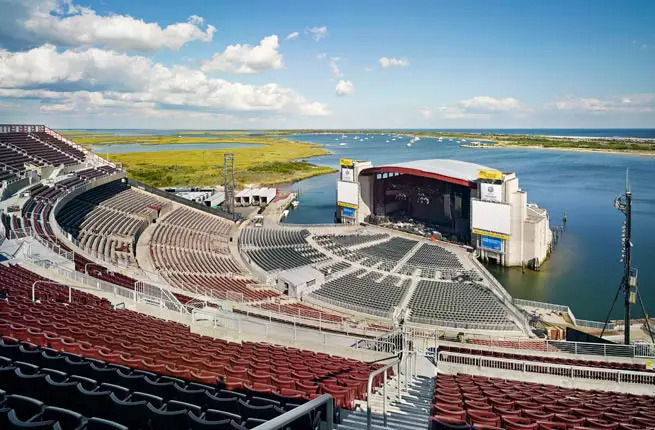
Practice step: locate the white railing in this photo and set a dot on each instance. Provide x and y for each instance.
(509, 326)
(573, 372)
(541, 305)
(425, 339)
(29, 232)
(282, 421)
(594, 324)
(159, 295)
(352, 307)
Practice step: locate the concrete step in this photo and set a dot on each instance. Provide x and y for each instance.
(394, 421)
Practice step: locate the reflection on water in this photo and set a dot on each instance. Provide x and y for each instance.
(584, 272)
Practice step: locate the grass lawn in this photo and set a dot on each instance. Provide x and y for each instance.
(273, 163)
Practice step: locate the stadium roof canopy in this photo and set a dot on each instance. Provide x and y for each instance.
(453, 171)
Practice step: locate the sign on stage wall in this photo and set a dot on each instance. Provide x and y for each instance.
(349, 212)
(347, 162)
(347, 174)
(493, 175)
(492, 243)
(491, 217)
(491, 192)
(489, 233)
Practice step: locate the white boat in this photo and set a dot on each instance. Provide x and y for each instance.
(342, 144)
(285, 213)
(440, 139)
(295, 203)
(387, 140)
(409, 144)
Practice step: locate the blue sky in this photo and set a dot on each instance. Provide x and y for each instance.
(206, 64)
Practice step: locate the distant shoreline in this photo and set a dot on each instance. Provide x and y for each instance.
(642, 146)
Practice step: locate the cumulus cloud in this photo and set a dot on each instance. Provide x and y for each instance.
(345, 88)
(63, 23)
(291, 36)
(97, 77)
(386, 62)
(479, 107)
(491, 104)
(317, 33)
(247, 59)
(630, 103)
(334, 67)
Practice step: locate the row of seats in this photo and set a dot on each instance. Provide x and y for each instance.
(285, 257)
(466, 303)
(478, 402)
(303, 311)
(38, 150)
(387, 254)
(106, 220)
(363, 292)
(267, 238)
(79, 388)
(190, 250)
(89, 327)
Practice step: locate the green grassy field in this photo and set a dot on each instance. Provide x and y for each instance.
(272, 163)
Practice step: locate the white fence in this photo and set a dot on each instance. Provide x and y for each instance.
(28, 232)
(352, 307)
(426, 340)
(573, 372)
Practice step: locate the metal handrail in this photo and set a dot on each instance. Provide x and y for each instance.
(369, 388)
(287, 418)
(578, 372)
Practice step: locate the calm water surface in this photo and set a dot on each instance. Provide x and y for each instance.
(584, 271)
(126, 148)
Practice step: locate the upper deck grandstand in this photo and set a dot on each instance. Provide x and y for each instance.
(121, 307)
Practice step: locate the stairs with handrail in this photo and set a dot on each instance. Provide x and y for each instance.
(411, 412)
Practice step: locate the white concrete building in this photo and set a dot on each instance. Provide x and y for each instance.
(462, 201)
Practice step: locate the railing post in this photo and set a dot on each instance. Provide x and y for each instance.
(399, 382)
(384, 397)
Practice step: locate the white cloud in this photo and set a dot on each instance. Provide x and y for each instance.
(426, 112)
(345, 88)
(385, 62)
(321, 56)
(630, 103)
(479, 107)
(247, 59)
(66, 24)
(96, 77)
(491, 104)
(334, 67)
(317, 33)
(291, 36)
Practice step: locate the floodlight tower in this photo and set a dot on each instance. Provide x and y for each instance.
(629, 280)
(228, 182)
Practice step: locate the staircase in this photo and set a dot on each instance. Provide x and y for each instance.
(410, 413)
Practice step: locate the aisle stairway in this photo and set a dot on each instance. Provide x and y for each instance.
(409, 414)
